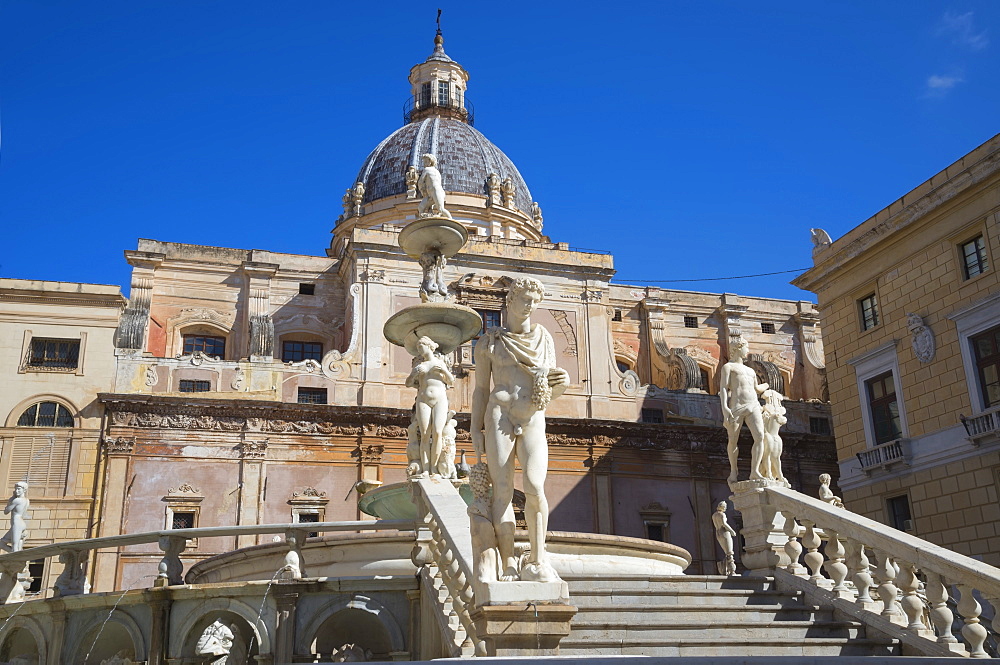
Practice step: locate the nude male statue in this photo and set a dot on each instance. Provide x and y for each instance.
(508, 421)
(738, 393)
(432, 189)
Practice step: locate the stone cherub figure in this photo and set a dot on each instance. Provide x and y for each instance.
(432, 378)
(17, 506)
(432, 189)
(724, 534)
(413, 446)
(486, 561)
(738, 393)
(411, 182)
(516, 378)
(826, 494)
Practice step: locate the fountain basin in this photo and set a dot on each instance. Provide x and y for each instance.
(393, 502)
(439, 234)
(446, 323)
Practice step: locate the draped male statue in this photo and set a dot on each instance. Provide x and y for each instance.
(516, 378)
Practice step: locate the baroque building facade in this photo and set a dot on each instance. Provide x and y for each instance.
(910, 305)
(255, 387)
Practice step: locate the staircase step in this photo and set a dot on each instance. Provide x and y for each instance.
(603, 597)
(677, 582)
(690, 613)
(747, 648)
(584, 631)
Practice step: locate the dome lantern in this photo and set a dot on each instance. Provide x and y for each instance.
(437, 87)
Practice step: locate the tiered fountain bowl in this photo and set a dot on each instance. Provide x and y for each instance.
(446, 323)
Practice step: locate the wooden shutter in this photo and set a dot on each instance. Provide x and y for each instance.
(42, 461)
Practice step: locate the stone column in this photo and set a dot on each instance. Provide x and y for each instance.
(159, 631)
(376, 307)
(413, 596)
(369, 468)
(57, 636)
(260, 327)
(604, 500)
(251, 484)
(284, 631)
(116, 476)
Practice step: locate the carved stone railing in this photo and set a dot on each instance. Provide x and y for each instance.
(870, 571)
(444, 553)
(883, 455)
(982, 426)
(74, 554)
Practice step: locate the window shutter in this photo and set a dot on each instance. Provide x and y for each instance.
(42, 461)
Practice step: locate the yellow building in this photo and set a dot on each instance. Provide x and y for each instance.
(910, 307)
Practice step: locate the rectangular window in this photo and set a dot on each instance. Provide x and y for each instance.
(974, 261)
(210, 346)
(656, 531)
(617, 316)
(192, 386)
(690, 321)
(444, 99)
(986, 349)
(307, 289)
(309, 518)
(54, 354)
(182, 520)
(294, 352)
(491, 319)
(899, 513)
(868, 310)
(652, 416)
(767, 328)
(312, 396)
(820, 426)
(425, 96)
(884, 407)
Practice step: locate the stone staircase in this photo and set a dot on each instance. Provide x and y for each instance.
(708, 615)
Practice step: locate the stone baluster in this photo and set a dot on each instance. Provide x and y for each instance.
(913, 606)
(835, 566)
(170, 570)
(793, 548)
(941, 615)
(973, 631)
(885, 573)
(814, 560)
(72, 581)
(858, 564)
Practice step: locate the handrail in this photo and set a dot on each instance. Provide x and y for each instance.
(921, 553)
(44, 551)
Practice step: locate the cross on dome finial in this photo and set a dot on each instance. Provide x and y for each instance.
(439, 41)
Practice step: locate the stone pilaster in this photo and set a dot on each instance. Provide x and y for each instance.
(286, 601)
(131, 332)
(252, 454)
(117, 464)
(159, 631)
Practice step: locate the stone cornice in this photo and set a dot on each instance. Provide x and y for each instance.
(238, 416)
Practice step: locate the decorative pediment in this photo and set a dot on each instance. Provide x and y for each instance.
(310, 496)
(481, 291)
(193, 315)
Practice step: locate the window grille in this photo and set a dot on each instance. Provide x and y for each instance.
(312, 396)
(309, 518)
(194, 386)
(46, 414)
(53, 355)
(820, 426)
(652, 416)
(617, 316)
(690, 321)
(182, 520)
(767, 328)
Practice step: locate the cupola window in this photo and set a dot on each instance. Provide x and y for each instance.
(425, 95)
(444, 98)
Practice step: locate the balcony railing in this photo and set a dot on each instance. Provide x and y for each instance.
(883, 455)
(982, 426)
(417, 107)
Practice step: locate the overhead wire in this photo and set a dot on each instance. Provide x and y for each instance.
(707, 279)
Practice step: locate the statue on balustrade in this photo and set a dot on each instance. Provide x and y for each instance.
(432, 378)
(516, 378)
(724, 534)
(738, 391)
(826, 494)
(17, 507)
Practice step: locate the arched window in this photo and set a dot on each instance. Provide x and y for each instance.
(46, 414)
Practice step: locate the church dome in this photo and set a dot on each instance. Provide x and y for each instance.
(465, 158)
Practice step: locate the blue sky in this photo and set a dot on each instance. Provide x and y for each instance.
(691, 139)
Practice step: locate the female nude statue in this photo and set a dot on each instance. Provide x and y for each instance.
(17, 506)
(432, 378)
(724, 534)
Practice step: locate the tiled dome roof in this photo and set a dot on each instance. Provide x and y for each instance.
(465, 158)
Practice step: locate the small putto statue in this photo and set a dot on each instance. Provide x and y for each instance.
(774, 418)
(536, 213)
(724, 534)
(432, 378)
(446, 465)
(826, 494)
(507, 187)
(17, 507)
(358, 197)
(432, 188)
(493, 187)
